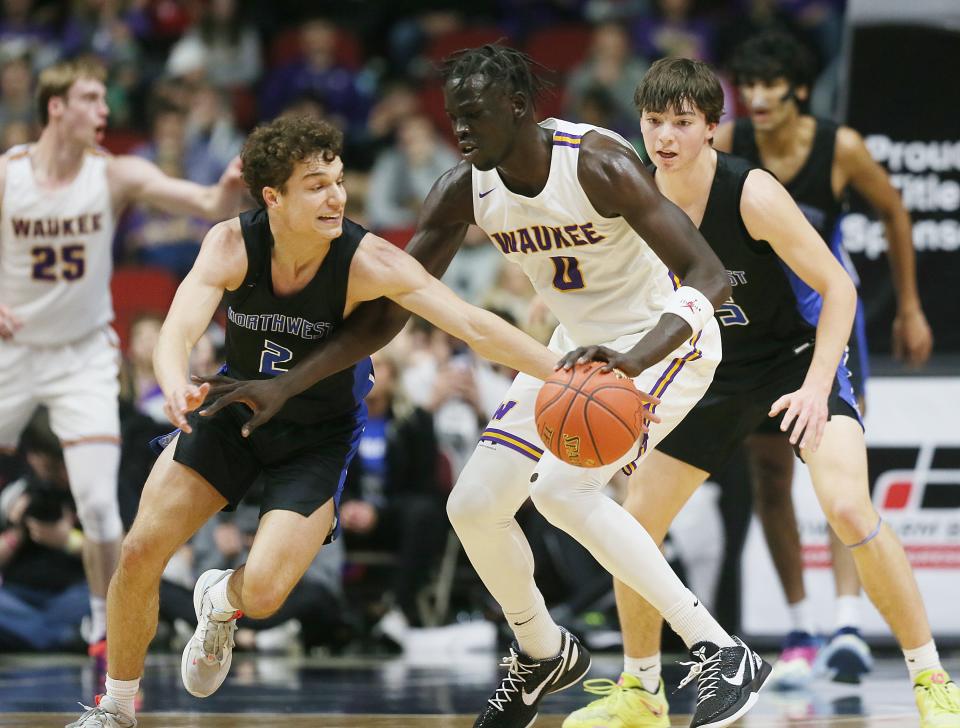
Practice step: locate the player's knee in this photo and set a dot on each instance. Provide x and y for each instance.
(469, 504)
(262, 597)
(98, 509)
(853, 519)
(100, 518)
(553, 503)
(140, 557)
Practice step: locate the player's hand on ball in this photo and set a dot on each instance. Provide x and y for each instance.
(184, 399)
(613, 359)
(264, 396)
(807, 413)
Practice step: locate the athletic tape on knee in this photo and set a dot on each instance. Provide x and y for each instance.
(868, 539)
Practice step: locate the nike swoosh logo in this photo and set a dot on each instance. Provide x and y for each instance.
(520, 624)
(484, 194)
(532, 697)
(738, 678)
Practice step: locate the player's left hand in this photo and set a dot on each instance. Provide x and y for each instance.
(807, 413)
(912, 338)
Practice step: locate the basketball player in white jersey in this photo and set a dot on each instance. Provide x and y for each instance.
(61, 198)
(574, 206)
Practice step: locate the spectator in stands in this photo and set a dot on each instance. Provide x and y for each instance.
(159, 238)
(607, 78)
(16, 92)
(460, 389)
(227, 46)
(404, 174)
(317, 71)
(44, 596)
(474, 269)
(392, 500)
(673, 29)
(211, 128)
(24, 31)
(14, 133)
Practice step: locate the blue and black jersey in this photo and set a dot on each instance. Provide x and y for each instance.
(268, 334)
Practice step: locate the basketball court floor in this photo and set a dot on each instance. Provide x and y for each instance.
(298, 692)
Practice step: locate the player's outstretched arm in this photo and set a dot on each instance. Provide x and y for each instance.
(912, 338)
(9, 323)
(769, 213)
(617, 183)
(220, 265)
(136, 180)
(444, 218)
(381, 269)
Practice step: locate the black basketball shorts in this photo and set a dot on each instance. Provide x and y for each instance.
(301, 466)
(719, 423)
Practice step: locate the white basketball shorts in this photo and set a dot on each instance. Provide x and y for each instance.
(78, 383)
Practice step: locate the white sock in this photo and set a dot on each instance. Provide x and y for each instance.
(123, 693)
(98, 619)
(219, 598)
(848, 611)
(536, 632)
(800, 616)
(693, 623)
(646, 669)
(921, 659)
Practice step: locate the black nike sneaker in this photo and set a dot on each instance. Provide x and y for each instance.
(514, 703)
(728, 682)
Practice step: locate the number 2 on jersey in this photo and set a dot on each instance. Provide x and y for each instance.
(567, 276)
(272, 356)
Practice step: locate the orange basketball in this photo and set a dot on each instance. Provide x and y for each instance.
(587, 417)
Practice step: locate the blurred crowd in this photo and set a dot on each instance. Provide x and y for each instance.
(186, 80)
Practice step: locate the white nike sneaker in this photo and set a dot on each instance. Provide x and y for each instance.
(105, 714)
(207, 656)
(514, 703)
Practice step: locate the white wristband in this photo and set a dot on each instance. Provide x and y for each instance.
(690, 305)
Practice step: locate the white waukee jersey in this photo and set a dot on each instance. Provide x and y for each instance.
(55, 252)
(598, 277)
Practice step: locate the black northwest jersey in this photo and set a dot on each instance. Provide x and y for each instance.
(764, 324)
(811, 187)
(267, 334)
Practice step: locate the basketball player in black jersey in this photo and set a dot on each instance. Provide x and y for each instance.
(782, 358)
(289, 273)
(817, 161)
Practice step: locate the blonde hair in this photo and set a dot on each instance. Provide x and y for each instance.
(57, 79)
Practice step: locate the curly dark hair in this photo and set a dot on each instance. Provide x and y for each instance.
(498, 64)
(672, 81)
(771, 55)
(272, 150)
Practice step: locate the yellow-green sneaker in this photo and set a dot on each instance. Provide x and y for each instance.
(625, 704)
(938, 699)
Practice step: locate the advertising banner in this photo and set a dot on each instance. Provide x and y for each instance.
(913, 439)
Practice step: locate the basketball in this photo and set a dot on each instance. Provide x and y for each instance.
(587, 417)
